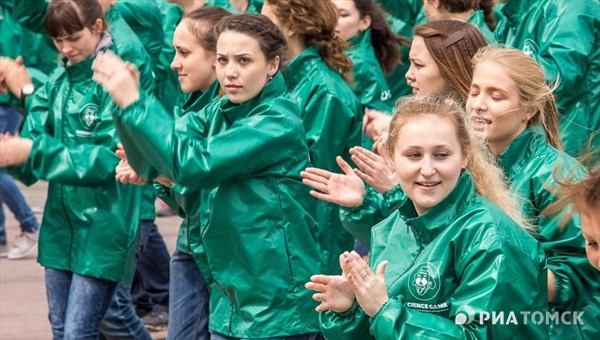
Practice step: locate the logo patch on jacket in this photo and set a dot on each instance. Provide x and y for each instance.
(530, 48)
(89, 116)
(424, 282)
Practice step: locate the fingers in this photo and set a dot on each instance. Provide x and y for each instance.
(321, 187)
(346, 168)
(319, 172)
(381, 270)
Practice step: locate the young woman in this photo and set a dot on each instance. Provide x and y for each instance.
(315, 77)
(245, 151)
(584, 196)
(89, 230)
(440, 54)
(373, 51)
(512, 108)
(449, 253)
(195, 57)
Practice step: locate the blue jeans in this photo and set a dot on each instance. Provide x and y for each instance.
(188, 303)
(10, 121)
(77, 304)
(150, 287)
(309, 336)
(120, 320)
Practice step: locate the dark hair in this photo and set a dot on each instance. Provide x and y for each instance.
(453, 56)
(384, 41)
(65, 17)
(201, 24)
(459, 6)
(269, 37)
(315, 21)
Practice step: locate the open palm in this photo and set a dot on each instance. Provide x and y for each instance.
(345, 189)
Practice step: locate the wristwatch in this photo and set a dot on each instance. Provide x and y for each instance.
(26, 91)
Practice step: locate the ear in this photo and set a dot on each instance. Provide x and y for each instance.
(530, 113)
(464, 162)
(435, 3)
(98, 26)
(273, 66)
(364, 23)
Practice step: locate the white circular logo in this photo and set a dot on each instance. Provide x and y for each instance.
(464, 315)
(424, 282)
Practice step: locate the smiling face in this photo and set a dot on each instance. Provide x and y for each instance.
(424, 75)
(79, 45)
(428, 160)
(195, 66)
(242, 68)
(349, 22)
(494, 106)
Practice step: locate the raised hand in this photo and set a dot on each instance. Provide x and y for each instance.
(124, 172)
(333, 291)
(343, 189)
(119, 78)
(373, 169)
(376, 123)
(370, 289)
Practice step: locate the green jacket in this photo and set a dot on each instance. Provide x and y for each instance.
(369, 83)
(90, 220)
(332, 119)
(257, 238)
(529, 163)
(477, 19)
(563, 37)
(461, 257)
(168, 90)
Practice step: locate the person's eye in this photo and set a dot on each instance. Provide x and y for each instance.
(222, 60)
(473, 93)
(413, 155)
(592, 244)
(441, 155)
(184, 53)
(244, 60)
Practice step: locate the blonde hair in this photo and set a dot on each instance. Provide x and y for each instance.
(488, 178)
(534, 93)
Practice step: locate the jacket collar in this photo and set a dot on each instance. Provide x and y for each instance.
(519, 151)
(199, 99)
(83, 69)
(435, 220)
(274, 88)
(300, 66)
(360, 39)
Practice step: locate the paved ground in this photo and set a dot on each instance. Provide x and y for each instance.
(23, 307)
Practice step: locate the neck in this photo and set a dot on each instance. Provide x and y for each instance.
(462, 16)
(190, 5)
(295, 46)
(240, 5)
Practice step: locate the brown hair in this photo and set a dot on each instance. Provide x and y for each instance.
(460, 6)
(201, 23)
(315, 21)
(269, 37)
(65, 17)
(453, 55)
(384, 41)
(533, 91)
(488, 178)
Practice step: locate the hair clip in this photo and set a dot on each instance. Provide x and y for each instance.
(454, 38)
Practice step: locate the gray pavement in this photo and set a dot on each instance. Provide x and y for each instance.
(23, 307)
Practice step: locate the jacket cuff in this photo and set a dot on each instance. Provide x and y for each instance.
(394, 197)
(368, 198)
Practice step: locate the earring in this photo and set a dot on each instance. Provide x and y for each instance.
(270, 77)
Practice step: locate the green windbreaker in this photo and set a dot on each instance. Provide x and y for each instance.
(529, 163)
(463, 256)
(90, 220)
(258, 239)
(563, 37)
(332, 119)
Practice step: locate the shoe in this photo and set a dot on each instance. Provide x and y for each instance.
(24, 245)
(3, 250)
(156, 321)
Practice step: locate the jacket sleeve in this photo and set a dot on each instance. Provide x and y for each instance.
(489, 281)
(373, 209)
(566, 44)
(332, 128)
(167, 196)
(190, 158)
(565, 250)
(352, 324)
